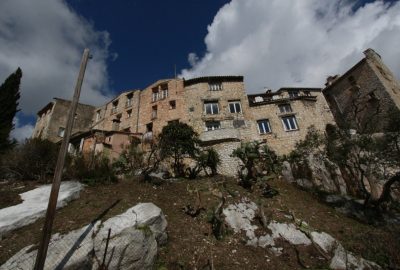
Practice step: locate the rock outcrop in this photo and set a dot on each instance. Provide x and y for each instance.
(240, 217)
(133, 243)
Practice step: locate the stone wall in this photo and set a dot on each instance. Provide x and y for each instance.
(55, 118)
(162, 109)
(369, 88)
(307, 111)
(121, 113)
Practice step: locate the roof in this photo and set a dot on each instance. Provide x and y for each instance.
(211, 79)
(285, 89)
(87, 133)
(45, 108)
(345, 74)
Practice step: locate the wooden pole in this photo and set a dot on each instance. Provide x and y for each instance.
(51, 208)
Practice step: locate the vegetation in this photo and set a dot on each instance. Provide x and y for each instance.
(177, 141)
(9, 96)
(209, 160)
(96, 171)
(35, 159)
(131, 159)
(258, 160)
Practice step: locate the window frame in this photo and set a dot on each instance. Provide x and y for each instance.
(293, 93)
(283, 107)
(234, 103)
(215, 125)
(211, 103)
(215, 86)
(61, 132)
(262, 122)
(296, 125)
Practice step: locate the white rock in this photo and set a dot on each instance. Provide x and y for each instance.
(60, 253)
(325, 241)
(34, 205)
(343, 257)
(133, 241)
(239, 217)
(266, 240)
(289, 232)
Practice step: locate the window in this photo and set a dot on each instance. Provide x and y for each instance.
(154, 95)
(215, 86)
(213, 125)
(263, 126)
(154, 112)
(164, 91)
(289, 123)
(61, 132)
(307, 93)
(234, 107)
(285, 108)
(129, 113)
(115, 124)
(128, 100)
(211, 108)
(149, 127)
(172, 105)
(293, 94)
(98, 116)
(114, 106)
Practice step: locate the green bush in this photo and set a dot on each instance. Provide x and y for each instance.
(131, 160)
(98, 170)
(35, 159)
(209, 159)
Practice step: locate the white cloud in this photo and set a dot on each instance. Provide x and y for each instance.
(21, 132)
(46, 39)
(276, 43)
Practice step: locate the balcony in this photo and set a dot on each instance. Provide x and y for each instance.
(223, 134)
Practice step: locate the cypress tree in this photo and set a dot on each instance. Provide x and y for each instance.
(9, 96)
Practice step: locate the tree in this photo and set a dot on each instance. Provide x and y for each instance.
(178, 140)
(9, 96)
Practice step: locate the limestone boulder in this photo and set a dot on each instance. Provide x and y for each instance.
(133, 244)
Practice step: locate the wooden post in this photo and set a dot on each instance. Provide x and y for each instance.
(51, 208)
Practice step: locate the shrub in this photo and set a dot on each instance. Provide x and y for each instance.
(131, 159)
(178, 140)
(91, 172)
(209, 159)
(35, 159)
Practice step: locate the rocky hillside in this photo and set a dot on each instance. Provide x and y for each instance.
(292, 230)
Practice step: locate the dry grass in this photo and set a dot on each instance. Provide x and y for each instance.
(191, 243)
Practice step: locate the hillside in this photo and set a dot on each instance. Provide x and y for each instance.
(191, 243)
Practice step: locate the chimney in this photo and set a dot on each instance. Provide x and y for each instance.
(371, 54)
(331, 79)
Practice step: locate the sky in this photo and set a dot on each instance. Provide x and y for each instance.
(273, 43)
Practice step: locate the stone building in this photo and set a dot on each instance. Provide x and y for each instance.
(282, 118)
(361, 98)
(52, 119)
(220, 111)
(120, 114)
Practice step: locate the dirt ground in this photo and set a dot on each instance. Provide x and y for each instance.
(191, 244)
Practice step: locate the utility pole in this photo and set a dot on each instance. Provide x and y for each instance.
(55, 188)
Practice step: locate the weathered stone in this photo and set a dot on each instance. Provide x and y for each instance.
(132, 248)
(345, 260)
(326, 242)
(133, 243)
(289, 232)
(287, 172)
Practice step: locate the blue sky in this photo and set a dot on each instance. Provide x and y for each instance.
(273, 43)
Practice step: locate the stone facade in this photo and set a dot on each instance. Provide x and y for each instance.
(121, 113)
(52, 119)
(361, 98)
(282, 118)
(220, 111)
